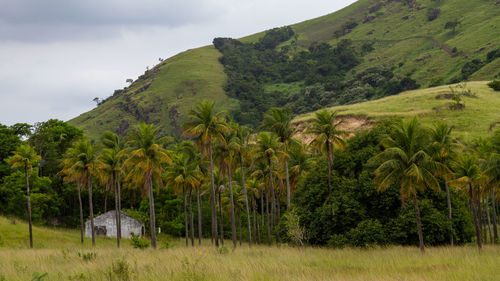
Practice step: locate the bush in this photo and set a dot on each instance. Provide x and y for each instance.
(433, 14)
(495, 85)
(368, 233)
(138, 243)
(337, 241)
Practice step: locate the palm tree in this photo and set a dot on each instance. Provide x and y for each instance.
(266, 150)
(206, 125)
(325, 129)
(406, 162)
(468, 175)
(110, 168)
(145, 164)
(493, 172)
(184, 175)
(25, 157)
(278, 121)
(241, 145)
(442, 150)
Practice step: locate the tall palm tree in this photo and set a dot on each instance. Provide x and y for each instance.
(146, 164)
(241, 145)
(266, 150)
(110, 168)
(327, 134)
(184, 175)
(493, 172)
(278, 121)
(406, 162)
(205, 125)
(24, 157)
(442, 150)
(468, 174)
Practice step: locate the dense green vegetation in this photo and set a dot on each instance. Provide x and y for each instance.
(318, 73)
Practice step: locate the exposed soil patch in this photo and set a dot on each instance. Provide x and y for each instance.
(349, 124)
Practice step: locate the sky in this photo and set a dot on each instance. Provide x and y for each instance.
(56, 56)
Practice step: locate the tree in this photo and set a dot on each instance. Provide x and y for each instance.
(146, 164)
(324, 127)
(405, 162)
(110, 168)
(442, 150)
(266, 150)
(278, 121)
(24, 158)
(493, 172)
(468, 175)
(205, 125)
(183, 175)
(452, 25)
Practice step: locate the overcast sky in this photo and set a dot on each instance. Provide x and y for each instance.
(57, 55)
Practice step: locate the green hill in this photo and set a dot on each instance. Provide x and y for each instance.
(409, 37)
(480, 114)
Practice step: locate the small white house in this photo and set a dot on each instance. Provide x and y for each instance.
(105, 224)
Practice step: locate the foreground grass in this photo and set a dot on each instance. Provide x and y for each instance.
(59, 254)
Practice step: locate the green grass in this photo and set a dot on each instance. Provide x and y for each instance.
(61, 257)
(473, 121)
(411, 46)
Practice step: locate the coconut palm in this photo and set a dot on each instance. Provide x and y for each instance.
(146, 164)
(205, 125)
(406, 162)
(110, 169)
(442, 150)
(468, 175)
(24, 157)
(326, 133)
(240, 144)
(493, 173)
(184, 175)
(278, 121)
(81, 161)
(266, 150)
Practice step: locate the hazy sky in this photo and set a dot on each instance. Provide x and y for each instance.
(57, 55)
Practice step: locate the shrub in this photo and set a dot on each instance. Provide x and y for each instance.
(495, 85)
(433, 14)
(87, 256)
(368, 233)
(337, 241)
(120, 270)
(138, 243)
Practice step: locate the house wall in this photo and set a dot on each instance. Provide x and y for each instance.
(128, 225)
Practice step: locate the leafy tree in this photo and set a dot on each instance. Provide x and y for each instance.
(24, 158)
(405, 162)
(205, 125)
(9, 141)
(146, 164)
(324, 127)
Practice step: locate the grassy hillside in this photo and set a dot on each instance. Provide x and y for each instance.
(402, 35)
(432, 104)
(59, 254)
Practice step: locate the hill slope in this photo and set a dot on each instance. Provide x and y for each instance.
(480, 114)
(403, 36)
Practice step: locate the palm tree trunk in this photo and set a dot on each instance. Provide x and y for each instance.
(480, 215)
(448, 201)
(119, 228)
(273, 202)
(288, 190)
(91, 208)
(117, 211)
(191, 217)
(494, 213)
(186, 225)
(152, 222)
(487, 209)
(254, 219)
(239, 222)
(419, 226)
(262, 208)
(29, 204)
(233, 221)
(329, 161)
(105, 199)
(198, 202)
(474, 213)
(278, 239)
(268, 222)
(81, 210)
(214, 212)
(246, 201)
(221, 220)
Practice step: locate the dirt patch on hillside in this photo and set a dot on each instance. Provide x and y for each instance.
(349, 124)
